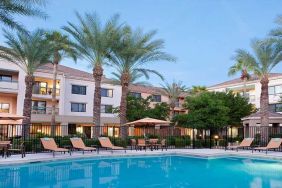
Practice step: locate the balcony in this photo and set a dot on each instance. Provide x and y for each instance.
(43, 110)
(9, 86)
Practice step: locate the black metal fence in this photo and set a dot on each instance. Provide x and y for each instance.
(176, 137)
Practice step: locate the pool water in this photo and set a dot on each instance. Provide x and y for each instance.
(157, 171)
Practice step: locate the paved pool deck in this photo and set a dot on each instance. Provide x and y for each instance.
(204, 153)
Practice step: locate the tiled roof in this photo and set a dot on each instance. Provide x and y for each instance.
(259, 115)
(146, 89)
(71, 72)
(240, 81)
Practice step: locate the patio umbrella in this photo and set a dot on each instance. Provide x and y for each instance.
(149, 122)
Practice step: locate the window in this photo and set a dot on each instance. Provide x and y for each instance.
(275, 107)
(39, 107)
(6, 78)
(278, 89)
(80, 90)
(4, 107)
(78, 107)
(106, 92)
(275, 90)
(135, 94)
(107, 109)
(252, 98)
(271, 90)
(157, 98)
(40, 88)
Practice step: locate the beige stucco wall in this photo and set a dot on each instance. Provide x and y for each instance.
(10, 99)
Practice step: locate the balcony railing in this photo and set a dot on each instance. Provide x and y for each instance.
(43, 110)
(45, 91)
(12, 85)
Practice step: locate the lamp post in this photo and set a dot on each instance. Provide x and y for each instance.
(216, 141)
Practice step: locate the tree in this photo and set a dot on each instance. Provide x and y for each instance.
(11, 8)
(267, 54)
(94, 42)
(132, 53)
(196, 90)
(138, 108)
(28, 51)
(277, 32)
(239, 107)
(173, 92)
(212, 110)
(62, 47)
(244, 67)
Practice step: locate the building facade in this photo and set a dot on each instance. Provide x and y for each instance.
(74, 94)
(253, 88)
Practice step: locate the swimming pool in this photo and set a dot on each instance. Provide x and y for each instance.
(154, 171)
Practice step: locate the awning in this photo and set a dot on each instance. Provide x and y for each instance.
(10, 119)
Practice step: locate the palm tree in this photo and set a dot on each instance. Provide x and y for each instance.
(266, 55)
(28, 51)
(244, 67)
(62, 47)
(195, 90)
(94, 41)
(11, 8)
(173, 91)
(132, 53)
(277, 32)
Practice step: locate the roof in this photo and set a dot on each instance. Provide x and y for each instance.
(146, 89)
(71, 72)
(258, 115)
(240, 81)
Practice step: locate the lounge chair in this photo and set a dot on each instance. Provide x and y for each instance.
(246, 143)
(77, 143)
(273, 144)
(141, 144)
(50, 144)
(106, 143)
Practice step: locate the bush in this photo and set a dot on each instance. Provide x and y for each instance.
(119, 141)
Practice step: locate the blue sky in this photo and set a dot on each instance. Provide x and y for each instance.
(202, 34)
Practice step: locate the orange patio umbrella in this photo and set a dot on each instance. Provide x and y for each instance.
(149, 122)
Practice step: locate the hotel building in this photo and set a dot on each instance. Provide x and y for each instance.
(74, 93)
(253, 88)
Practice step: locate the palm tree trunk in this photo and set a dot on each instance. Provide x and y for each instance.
(172, 112)
(123, 104)
(264, 101)
(245, 87)
(29, 82)
(97, 74)
(54, 101)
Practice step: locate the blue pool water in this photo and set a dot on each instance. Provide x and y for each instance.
(165, 171)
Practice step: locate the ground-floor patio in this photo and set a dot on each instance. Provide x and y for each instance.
(205, 153)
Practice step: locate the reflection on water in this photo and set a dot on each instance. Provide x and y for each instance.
(145, 172)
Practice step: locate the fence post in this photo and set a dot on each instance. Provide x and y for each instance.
(226, 137)
(193, 138)
(210, 138)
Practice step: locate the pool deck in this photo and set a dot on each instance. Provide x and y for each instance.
(203, 153)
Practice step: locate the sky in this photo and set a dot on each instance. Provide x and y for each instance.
(202, 34)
